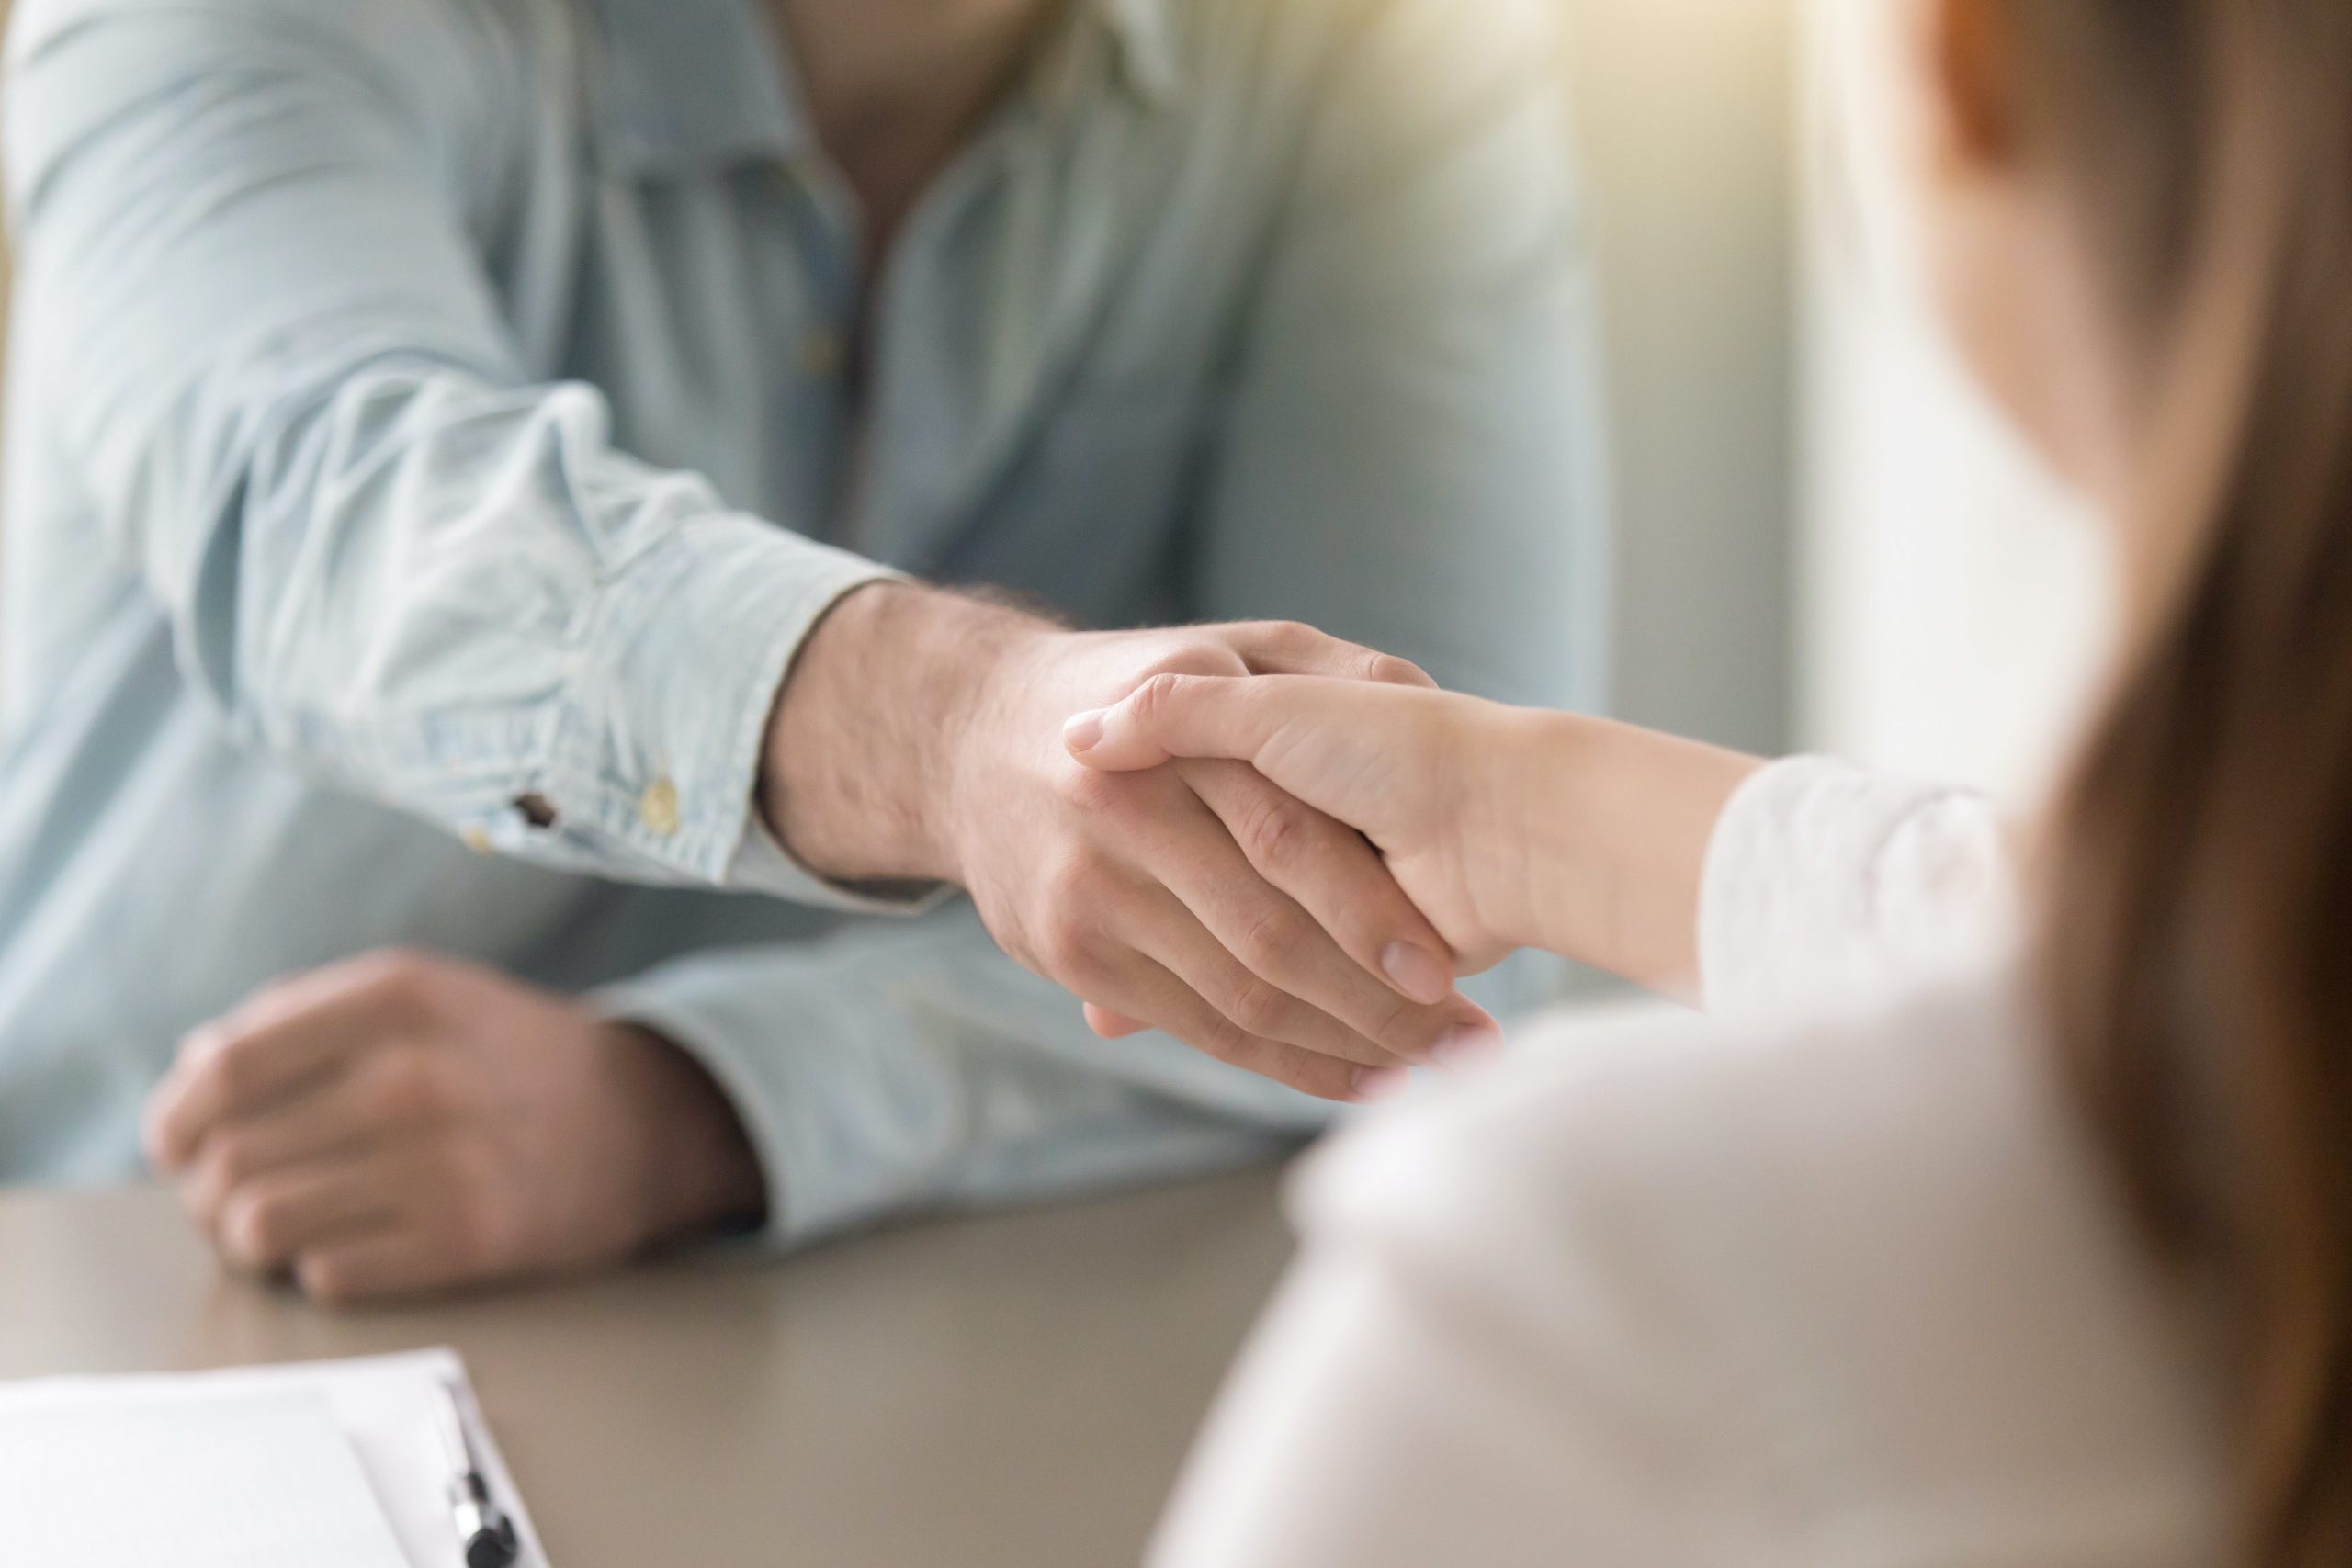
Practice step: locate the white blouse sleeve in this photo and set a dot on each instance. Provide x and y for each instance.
(1825, 878)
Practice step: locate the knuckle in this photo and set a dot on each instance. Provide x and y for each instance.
(1272, 943)
(1064, 946)
(1115, 913)
(1154, 697)
(1256, 1007)
(233, 1158)
(401, 978)
(1293, 1070)
(234, 1067)
(1068, 885)
(1273, 829)
(260, 1228)
(408, 1084)
(1227, 1043)
(1060, 955)
(327, 1281)
(1198, 655)
(1399, 1026)
(202, 1195)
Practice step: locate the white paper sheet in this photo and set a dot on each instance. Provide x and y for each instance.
(382, 1407)
(252, 1481)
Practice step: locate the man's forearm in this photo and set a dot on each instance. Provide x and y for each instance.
(860, 748)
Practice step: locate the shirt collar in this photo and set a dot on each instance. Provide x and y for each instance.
(693, 83)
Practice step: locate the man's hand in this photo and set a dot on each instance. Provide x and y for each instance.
(400, 1123)
(919, 736)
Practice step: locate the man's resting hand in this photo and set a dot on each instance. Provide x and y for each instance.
(400, 1123)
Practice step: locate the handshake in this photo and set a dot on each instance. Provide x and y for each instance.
(1248, 836)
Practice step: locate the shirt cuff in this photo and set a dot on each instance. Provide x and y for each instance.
(1823, 877)
(659, 741)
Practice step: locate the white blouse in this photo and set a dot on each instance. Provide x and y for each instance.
(1830, 1278)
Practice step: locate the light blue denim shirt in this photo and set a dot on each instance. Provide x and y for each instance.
(417, 406)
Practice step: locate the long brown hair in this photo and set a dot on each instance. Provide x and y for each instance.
(2196, 949)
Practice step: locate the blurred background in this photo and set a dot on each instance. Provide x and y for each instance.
(1824, 542)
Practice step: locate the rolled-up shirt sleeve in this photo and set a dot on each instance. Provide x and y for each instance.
(253, 300)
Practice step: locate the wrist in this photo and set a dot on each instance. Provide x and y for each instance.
(871, 732)
(1615, 866)
(991, 660)
(1512, 762)
(694, 1169)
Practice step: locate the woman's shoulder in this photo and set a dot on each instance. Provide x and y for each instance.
(1868, 1253)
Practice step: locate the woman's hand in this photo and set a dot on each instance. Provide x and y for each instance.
(1413, 770)
(1509, 827)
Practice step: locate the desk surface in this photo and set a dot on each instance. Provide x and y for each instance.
(1018, 1389)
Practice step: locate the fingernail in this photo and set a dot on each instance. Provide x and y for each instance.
(1418, 972)
(1459, 1049)
(1373, 1084)
(1084, 732)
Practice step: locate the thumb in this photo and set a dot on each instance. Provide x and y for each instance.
(1110, 740)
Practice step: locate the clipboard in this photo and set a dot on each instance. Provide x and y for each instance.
(387, 1407)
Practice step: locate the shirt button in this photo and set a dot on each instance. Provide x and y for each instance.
(477, 840)
(821, 353)
(658, 807)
